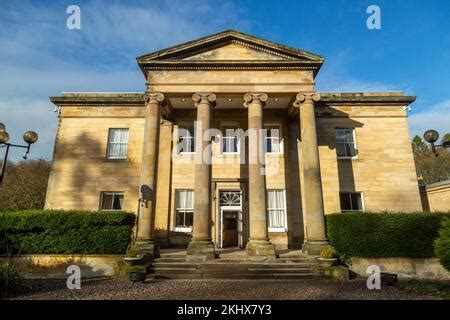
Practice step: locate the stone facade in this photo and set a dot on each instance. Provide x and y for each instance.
(209, 80)
(436, 196)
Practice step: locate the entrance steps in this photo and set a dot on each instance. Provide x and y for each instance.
(174, 266)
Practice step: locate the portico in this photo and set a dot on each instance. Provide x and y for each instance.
(235, 147)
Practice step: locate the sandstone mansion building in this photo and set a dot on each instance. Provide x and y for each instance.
(147, 153)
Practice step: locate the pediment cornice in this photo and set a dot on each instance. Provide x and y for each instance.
(177, 57)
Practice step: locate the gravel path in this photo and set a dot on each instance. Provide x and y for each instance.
(217, 289)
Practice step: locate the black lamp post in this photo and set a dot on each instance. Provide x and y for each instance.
(431, 136)
(29, 137)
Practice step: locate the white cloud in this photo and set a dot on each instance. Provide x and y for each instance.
(40, 57)
(435, 117)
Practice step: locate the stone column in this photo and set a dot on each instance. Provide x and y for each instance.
(313, 213)
(145, 241)
(258, 246)
(201, 247)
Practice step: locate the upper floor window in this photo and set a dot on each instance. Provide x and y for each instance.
(273, 140)
(111, 201)
(346, 143)
(276, 209)
(184, 210)
(117, 143)
(351, 201)
(186, 139)
(230, 139)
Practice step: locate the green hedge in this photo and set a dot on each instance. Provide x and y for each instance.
(442, 244)
(376, 235)
(65, 232)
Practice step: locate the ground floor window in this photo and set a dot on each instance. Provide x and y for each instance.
(111, 201)
(184, 210)
(276, 209)
(351, 201)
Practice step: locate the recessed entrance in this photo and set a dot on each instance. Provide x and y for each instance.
(230, 219)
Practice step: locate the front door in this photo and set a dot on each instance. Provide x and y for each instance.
(230, 229)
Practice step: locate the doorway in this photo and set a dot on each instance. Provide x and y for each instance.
(230, 226)
(230, 233)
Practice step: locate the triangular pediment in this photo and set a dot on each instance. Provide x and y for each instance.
(234, 52)
(230, 45)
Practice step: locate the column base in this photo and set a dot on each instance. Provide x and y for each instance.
(312, 247)
(260, 250)
(200, 251)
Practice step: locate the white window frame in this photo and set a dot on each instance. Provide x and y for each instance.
(184, 210)
(108, 156)
(270, 125)
(354, 144)
(278, 229)
(352, 192)
(113, 193)
(185, 125)
(235, 125)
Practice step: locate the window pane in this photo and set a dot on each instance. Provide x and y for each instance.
(341, 150)
(184, 199)
(275, 142)
(106, 201)
(189, 218)
(118, 143)
(268, 144)
(230, 141)
(351, 150)
(118, 135)
(186, 139)
(276, 208)
(118, 202)
(179, 218)
(356, 201)
(340, 135)
(345, 202)
(348, 135)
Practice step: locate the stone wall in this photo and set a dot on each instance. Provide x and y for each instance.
(436, 197)
(80, 170)
(383, 170)
(55, 266)
(405, 268)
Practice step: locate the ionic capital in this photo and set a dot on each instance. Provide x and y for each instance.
(208, 97)
(255, 97)
(153, 97)
(309, 98)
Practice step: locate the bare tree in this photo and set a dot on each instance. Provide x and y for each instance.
(24, 185)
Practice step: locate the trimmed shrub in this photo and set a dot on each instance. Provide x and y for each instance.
(442, 244)
(65, 232)
(377, 235)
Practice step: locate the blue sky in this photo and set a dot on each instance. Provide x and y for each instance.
(40, 57)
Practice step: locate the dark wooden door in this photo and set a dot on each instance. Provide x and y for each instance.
(230, 229)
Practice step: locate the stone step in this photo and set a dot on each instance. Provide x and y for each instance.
(253, 272)
(173, 270)
(293, 276)
(165, 259)
(172, 255)
(254, 265)
(174, 265)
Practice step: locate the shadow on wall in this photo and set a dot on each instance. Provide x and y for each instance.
(340, 120)
(81, 150)
(293, 189)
